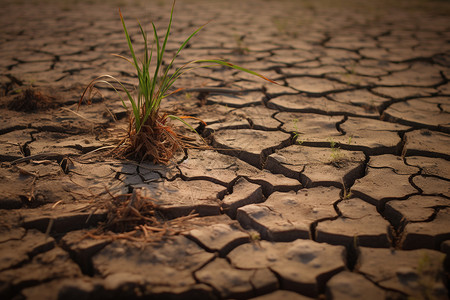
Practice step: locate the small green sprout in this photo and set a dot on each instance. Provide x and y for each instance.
(188, 96)
(336, 154)
(254, 236)
(350, 140)
(241, 47)
(285, 26)
(332, 143)
(296, 133)
(280, 24)
(429, 271)
(347, 194)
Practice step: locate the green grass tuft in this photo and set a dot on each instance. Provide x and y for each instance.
(150, 135)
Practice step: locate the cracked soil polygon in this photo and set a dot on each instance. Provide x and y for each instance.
(250, 145)
(320, 105)
(317, 166)
(409, 272)
(417, 208)
(429, 143)
(431, 166)
(371, 136)
(303, 265)
(309, 127)
(427, 234)
(349, 285)
(288, 216)
(381, 184)
(180, 198)
(244, 193)
(220, 237)
(232, 282)
(176, 259)
(424, 112)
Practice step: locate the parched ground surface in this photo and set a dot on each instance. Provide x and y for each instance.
(334, 184)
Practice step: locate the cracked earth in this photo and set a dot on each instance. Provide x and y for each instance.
(334, 184)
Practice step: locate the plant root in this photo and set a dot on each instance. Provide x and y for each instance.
(156, 141)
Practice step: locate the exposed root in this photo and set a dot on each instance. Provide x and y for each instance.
(156, 141)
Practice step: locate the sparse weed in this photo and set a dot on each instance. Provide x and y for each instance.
(429, 279)
(284, 26)
(150, 135)
(188, 96)
(296, 133)
(241, 47)
(254, 236)
(347, 194)
(350, 140)
(336, 154)
(350, 77)
(280, 24)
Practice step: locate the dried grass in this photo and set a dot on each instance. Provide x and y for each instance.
(136, 218)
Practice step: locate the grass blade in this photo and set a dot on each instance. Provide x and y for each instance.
(230, 65)
(130, 45)
(108, 83)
